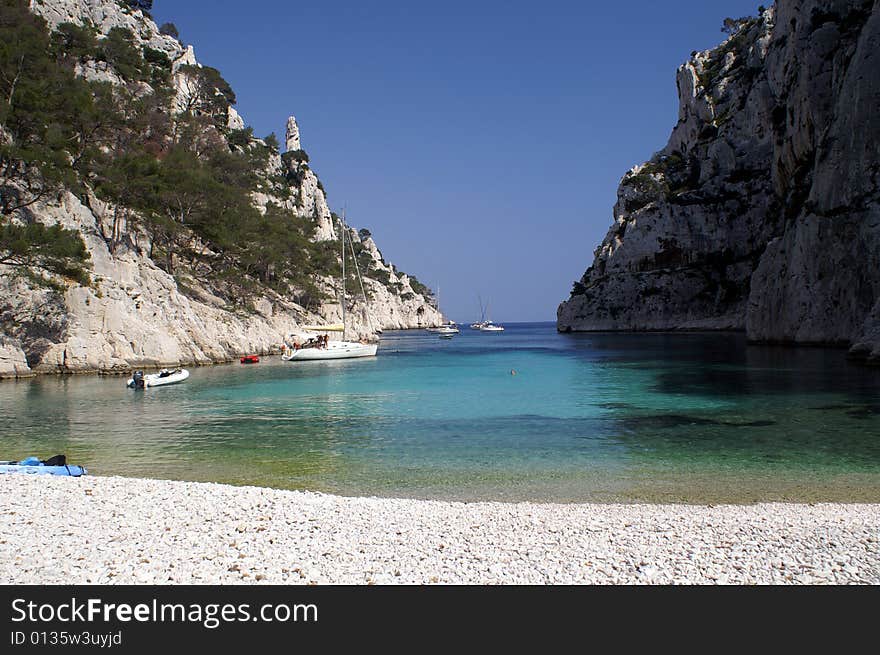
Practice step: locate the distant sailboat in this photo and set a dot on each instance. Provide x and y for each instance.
(449, 327)
(322, 348)
(482, 321)
(489, 326)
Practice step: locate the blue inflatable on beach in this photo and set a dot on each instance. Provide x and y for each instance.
(53, 466)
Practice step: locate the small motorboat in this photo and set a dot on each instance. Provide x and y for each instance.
(166, 376)
(250, 359)
(491, 327)
(53, 466)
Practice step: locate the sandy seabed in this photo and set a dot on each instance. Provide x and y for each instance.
(110, 530)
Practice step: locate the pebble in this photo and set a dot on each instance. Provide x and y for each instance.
(130, 531)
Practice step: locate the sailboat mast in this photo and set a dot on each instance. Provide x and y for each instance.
(343, 272)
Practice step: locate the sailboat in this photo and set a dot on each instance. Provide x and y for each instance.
(479, 324)
(447, 328)
(320, 347)
(489, 326)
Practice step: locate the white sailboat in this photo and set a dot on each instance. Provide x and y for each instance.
(479, 324)
(489, 326)
(320, 347)
(449, 327)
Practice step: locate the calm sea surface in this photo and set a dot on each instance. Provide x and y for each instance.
(602, 417)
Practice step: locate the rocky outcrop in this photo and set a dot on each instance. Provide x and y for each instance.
(136, 314)
(292, 134)
(762, 213)
(13, 363)
(105, 15)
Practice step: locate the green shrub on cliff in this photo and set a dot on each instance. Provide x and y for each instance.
(295, 156)
(53, 249)
(169, 29)
(70, 40)
(738, 43)
(420, 288)
(118, 50)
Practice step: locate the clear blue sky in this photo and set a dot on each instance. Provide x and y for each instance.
(481, 142)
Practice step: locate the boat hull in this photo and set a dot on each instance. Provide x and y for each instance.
(334, 350)
(68, 470)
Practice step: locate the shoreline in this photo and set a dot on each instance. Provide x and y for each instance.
(128, 530)
(152, 366)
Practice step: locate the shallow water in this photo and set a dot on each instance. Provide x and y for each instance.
(602, 417)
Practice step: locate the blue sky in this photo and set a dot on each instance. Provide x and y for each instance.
(481, 142)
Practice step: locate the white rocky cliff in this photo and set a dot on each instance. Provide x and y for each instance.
(762, 213)
(135, 314)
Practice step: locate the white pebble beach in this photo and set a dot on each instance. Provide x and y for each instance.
(110, 530)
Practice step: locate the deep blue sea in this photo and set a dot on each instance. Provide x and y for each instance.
(527, 414)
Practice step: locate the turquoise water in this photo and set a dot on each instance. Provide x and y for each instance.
(659, 417)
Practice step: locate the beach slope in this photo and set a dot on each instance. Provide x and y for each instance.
(120, 531)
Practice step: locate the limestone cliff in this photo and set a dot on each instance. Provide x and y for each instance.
(762, 213)
(138, 314)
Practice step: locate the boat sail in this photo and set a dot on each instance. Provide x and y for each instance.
(320, 347)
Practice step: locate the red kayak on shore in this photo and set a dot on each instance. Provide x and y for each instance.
(250, 359)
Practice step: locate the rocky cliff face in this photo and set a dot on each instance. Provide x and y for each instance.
(762, 212)
(136, 314)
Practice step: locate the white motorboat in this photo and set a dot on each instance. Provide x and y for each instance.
(320, 347)
(160, 379)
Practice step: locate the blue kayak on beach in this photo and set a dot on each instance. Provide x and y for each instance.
(53, 466)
